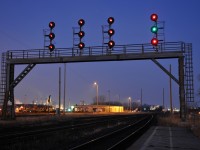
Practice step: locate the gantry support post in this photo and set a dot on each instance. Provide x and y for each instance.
(9, 102)
(11, 92)
(181, 89)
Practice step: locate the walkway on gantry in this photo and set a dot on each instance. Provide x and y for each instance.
(180, 50)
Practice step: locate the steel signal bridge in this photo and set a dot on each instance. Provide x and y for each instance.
(180, 50)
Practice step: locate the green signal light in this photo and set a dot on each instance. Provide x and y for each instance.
(154, 29)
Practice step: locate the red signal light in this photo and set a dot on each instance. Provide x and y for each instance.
(111, 44)
(110, 20)
(81, 34)
(81, 22)
(51, 47)
(51, 36)
(81, 45)
(154, 41)
(154, 17)
(51, 25)
(111, 32)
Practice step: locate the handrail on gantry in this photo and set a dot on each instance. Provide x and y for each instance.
(97, 50)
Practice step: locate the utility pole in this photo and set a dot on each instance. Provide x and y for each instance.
(141, 99)
(69, 104)
(119, 103)
(64, 87)
(170, 89)
(129, 100)
(48, 101)
(59, 89)
(163, 98)
(109, 100)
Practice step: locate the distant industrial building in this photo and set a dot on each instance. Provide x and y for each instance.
(33, 108)
(97, 108)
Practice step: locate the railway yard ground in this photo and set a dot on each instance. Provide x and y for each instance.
(193, 122)
(170, 124)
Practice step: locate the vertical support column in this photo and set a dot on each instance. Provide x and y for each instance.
(6, 98)
(181, 89)
(12, 100)
(9, 108)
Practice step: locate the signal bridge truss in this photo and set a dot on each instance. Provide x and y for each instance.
(180, 50)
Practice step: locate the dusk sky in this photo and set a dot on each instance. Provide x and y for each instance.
(21, 28)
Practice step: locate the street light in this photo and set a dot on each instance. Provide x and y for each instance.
(95, 83)
(129, 103)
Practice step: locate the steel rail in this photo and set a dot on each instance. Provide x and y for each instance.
(120, 144)
(14, 137)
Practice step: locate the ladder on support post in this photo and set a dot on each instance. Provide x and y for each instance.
(3, 85)
(3, 78)
(189, 85)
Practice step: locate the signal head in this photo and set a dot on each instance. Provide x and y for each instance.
(111, 32)
(111, 44)
(51, 36)
(51, 47)
(81, 34)
(154, 29)
(154, 17)
(154, 41)
(110, 20)
(81, 22)
(51, 25)
(81, 45)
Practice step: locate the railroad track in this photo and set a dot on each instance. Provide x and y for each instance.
(72, 132)
(118, 139)
(26, 127)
